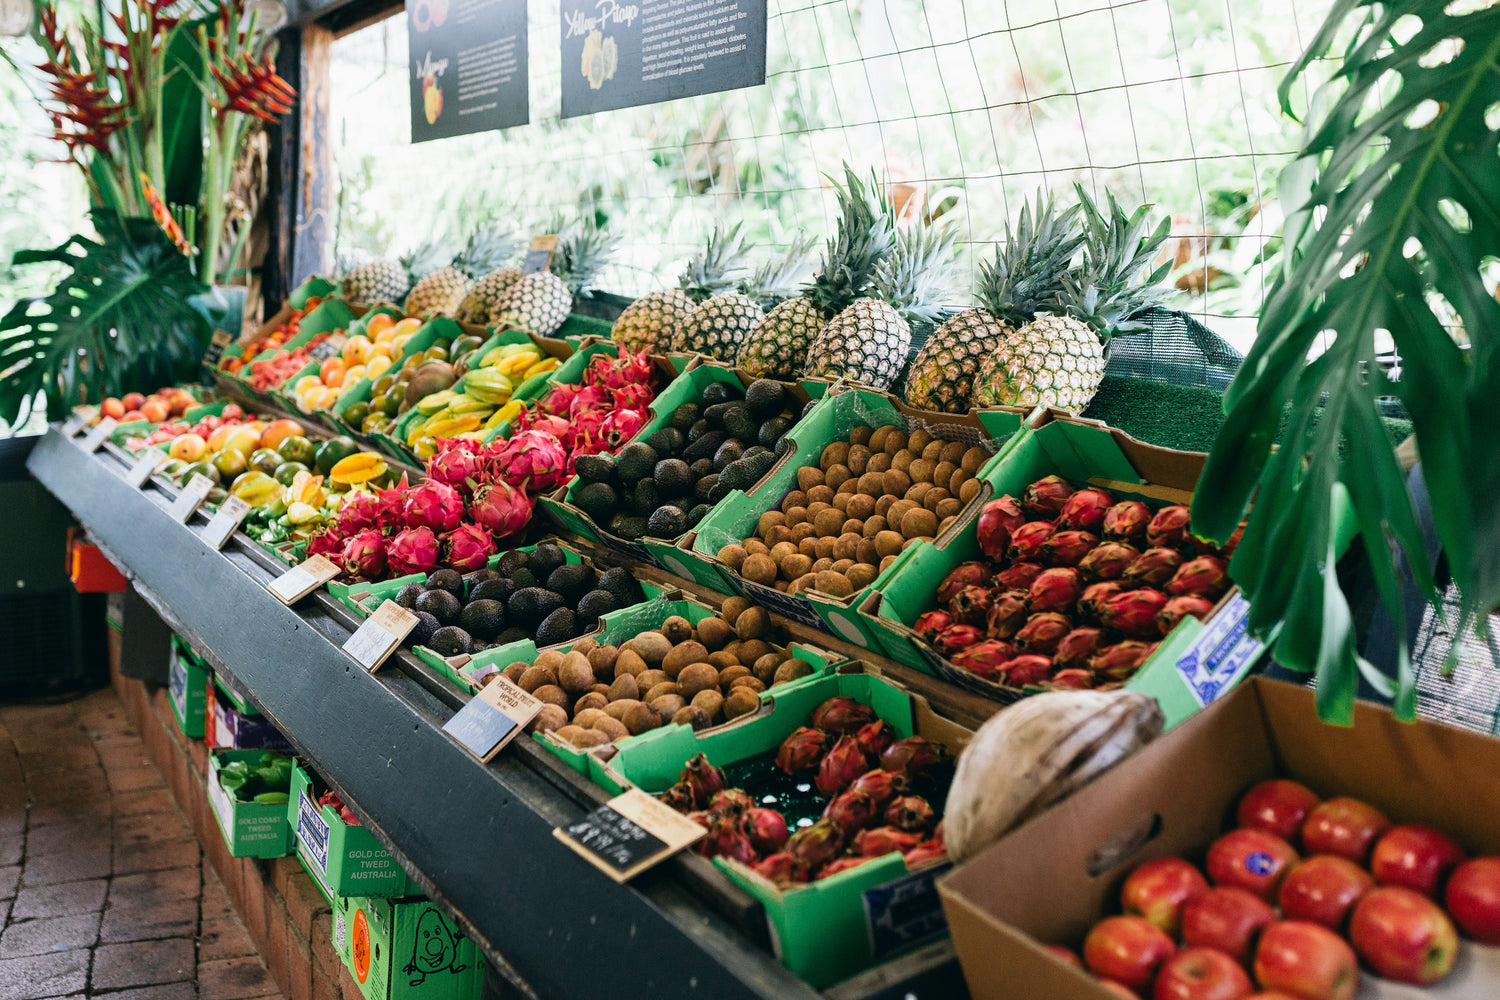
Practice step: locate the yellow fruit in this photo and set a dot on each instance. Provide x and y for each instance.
(220, 435)
(357, 468)
(447, 427)
(357, 348)
(354, 374)
(298, 512)
(542, 367)
(398, 343)
(257, 489)
(244, 439)
(307, 488)
(306, 382)
(386, 351)
(320, 397)
(188, 447)
(379, 323)
(377, 366)
(408, 326)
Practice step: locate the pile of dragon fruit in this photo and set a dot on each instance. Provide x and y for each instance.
(602, 413)
(1078, 589)
(871, 779)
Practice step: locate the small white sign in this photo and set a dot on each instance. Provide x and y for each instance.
(98, 434)
(492, 718)
(302, 579)
(222, 526)
(75, 423)
(380, 635)
(191, 497)
(144, 466)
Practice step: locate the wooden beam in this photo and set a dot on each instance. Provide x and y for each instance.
(282, 167)
(312, 241)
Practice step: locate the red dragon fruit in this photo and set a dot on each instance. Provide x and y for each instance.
(359, 512)
(586, 433)
(1133, 611)
(874, 737)
(459, 463)
(997, 519)
(970, 605)
(558, 426)
(501, 509)
(1076, 648)
(840, 766)
(850, 811)
(841, 716)
(1169, 527)
(1108, 561)
(1026, 541)
(1056, 589)
(1178, 608)
(634, 396)
(1067, 548)
(390, 517)
(838, 866)
(1120, 661)
(816, 845)
(1007, 615)
(801, 750)
(930, 624)
(1085, 510)
(782, 868)
(330, 543)
(1029, 668)
(559, 400)
(910, 813)
(1018, 576)
(969, 574)
(615, 373)
(703, 780)
(1091, 604)
(1153, 567)
(731, 840)
(914, 756)
(532, 461)
(1046, 497)
(434, 505)
(468, 547)
(1126, 521)
(1076, 678)
(679, 797)
(620, 426)
(884, 840)
(766, 829)
(1201, 577)
(415, 550)
(1043, 632)
(363, 554)
(730, 802)
(983, 659)
(955, 638)
(880, 785)
(927, 851)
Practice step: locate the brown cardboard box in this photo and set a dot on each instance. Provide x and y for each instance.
(1050, 880)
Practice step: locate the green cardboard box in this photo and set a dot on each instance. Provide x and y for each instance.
(251, 829)
(344, 859)
(315, 285)
(405, 949)
(187, 687)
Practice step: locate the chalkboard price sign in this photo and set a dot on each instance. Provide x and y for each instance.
(468, 66)
(630, 833)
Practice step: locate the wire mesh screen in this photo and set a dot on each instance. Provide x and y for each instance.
(967, 106)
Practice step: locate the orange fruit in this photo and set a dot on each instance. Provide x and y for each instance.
(377, 323)
(188, 447)
(278, 431)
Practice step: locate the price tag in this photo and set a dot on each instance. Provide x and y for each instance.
(330, 348)
(379, 636)
(539, 254)
(191, 498)
(216, 347)
(492, 718)
(629, 834)
(302, 579)
(75, 423)
(226, 519)
(98, 433)
(145, 464)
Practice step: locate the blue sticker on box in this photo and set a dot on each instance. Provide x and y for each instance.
(1221, 652)
(905, 912)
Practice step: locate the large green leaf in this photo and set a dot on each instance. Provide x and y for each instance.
(182, 116)
(1394, 208)
(122, 320)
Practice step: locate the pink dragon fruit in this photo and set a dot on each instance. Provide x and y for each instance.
(679, 797)
(620, 426)
(1178, 608)
(881, 785)
(634, 396)
(1076, 647)
(616, 373)
(1108, 561)
(983, 659)
(1018, 576)
(585, 434)
(1085, 510)
(955, 638)
(997, 519)
(1126, 521)
(850, 811)
(363, 554)
(969, 574)
(359, 512)
(1024, 670)
(1067, 548)
(930, 624)
(843, 763)
(924, 853)
(730, 802)
(330, 543)
(588, 397)
(884, 840)
(1153, 567)
(782, 868)
(1056, 589)
(801, 750)
(501, 509)
(1201, 577)
(816, 845)
(838, 866)
(702, 779)
(914, 756)
(910, 813)
(874, 737)
(468, 547)
(766, 829)
(841, 716)
(558, 426)
(1007, 614)
(1091, 604)
(559, 400)
(391, 515)
(731, 840)
(1120, 661)
(1046, 497)
(1042, 633)
(434, 505)
(970, 605)
(415, 550)
(1168, 528)
(459, 463)
(532, 461)
(1026, 541)
(1073, 677)
(1133, 611)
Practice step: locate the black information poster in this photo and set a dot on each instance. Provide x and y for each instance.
(617, 54)
(468, 66)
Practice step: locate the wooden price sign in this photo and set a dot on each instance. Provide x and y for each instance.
(380, 635)
(492, 718)
(75, 423)
(145, 465)
(226, 520)
(98, 434)
(216, 348)
(539, 254)
(191, 498)
(302, 579)
(330, 348)
(630, 833)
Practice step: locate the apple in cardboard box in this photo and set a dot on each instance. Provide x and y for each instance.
(1473, 898)
(1228, 919)
(1158, 890)
(1343, 826)
(1323, 889)
(1202, 974)
(1403, 935)
(1307, 960)
(1276, 806)
(1251, 859)
(1415, 857)
(1128, 950)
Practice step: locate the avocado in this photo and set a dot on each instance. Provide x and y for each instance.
(719, 492)
(595, 468)
(765, 397)
(673, 477)
(593, 604)
(685, 416)
(739, 423)
(477, 577)
(728, 452)
(668, 441)
(705, 446)
(621, 585)
(511, 561)
(529, 605)
(636, 461)
(700, 428)
(718, 412)
(645, 497)
(424, 628)
(450, 640)
(667, 522)
(783, 445)
(698, 513)
(739, 475)
(807, 408)
(559, 626)
(545, 558)
(705, 485)
(719, 392)
(572, 581)
(449, 580)
(773, 429)
(492, 590)
(598, 501)
(482, 619)
(523, 578)
(407, 595)
(755, 449)
(441, 604)
(627, 526)
(512, 634)
(703, 467)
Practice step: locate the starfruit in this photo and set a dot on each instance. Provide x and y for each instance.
(542, 367)
(463, 403)
(424, 448)
(434, 402)
(518, 363)
(453, 426)
(361, 467)
(307, 488)
(303, 513)
(257, 489)
(488, 385)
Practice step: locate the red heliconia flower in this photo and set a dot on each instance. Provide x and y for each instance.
(1046, 497)
(250, 85)
(1126, 521)
(997, 519)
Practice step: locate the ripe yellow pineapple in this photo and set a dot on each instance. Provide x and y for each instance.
(442, 292)
(479, 304)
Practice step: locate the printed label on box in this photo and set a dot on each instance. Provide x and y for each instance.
(312, 831)
(904, 912)
(492, 718)
(218, 798)
(380, 634)
(177, 683)
(1222, 650)
(302, 579)
(222, 526)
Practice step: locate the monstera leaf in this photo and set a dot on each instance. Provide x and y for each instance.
(1393, 210)
(123, 319)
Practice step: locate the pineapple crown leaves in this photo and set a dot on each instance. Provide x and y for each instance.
(488, 248)
(779, 277)
(583, 250)
(910, 278)
(426, 257)
(1116, 281)
(1026, 276)
(866, 235)
(718, 267)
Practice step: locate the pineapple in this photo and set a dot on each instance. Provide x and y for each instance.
(722, 314)
(868, 341)
(651, 322)
(720, 325)
(442, 292)
(778, 346)
(541, 302)
(479, 305)
(1024, 278)
(386, 280)
(1057, 359)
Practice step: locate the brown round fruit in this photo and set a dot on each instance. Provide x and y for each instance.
(550, 717)
(741, 701)
(588, 716)
(835, 476)
(553, 695)
(834, 584)
(650, 646)
(624, 687)
(791, 670)
(613, 729)
(668, 705)
(755, 623)
(795, 565)
(808, 477)
(759, 569)
(836, 453)
(696, 677)
(592, 700)
(690, 651)
(721, 658)
(918, 523)
(576, 676)
(861, 575)
(861, 435)
(691, 715)
(535, 677)
(732, 607)
(641, 718)
(648, 679)
(677, 629)
(711, 701)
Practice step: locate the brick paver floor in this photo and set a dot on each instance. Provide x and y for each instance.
(103, 889)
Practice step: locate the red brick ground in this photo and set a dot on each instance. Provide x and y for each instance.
(103, 889)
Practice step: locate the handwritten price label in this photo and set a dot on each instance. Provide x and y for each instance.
(379, 636)
(629, 834)
(302, 579)
(492, 718)
(191, 497)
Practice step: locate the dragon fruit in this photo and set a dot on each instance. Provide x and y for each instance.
(782, 868)
(459, 463)
(1073, 677)
(1120, 661)
(910, 813)
(1085, 510)
(1153, 567)
(468, 547)
(850, 811)
(841, 716)
(1133, 611)
(955, 638)
(881, 785)
(1007, 615)
(702, 779)
(840, 766)
(501, 509)
(620, 426)
(838, 866)
(330, 543)
(766, 829)
(1201, 577)
(801, 750)
(585, 434)
(1178, 608)
(558, 426)
(434, 505)
(970, 605)
(997, 519)
(884, 840)
(634, 396)
(391, 515)
(983, 659)
(1046, 497)
(1026, 541)
(1056, 589)
(559, 400)
(1169, 527)
(1108, 561)
(928, 850)
(913, 756)
(730, 802)
(532, 461)
(731, 840)
(1126, 521)
(874, 737)
(363, 554)
(616, 373)
(360, 511)
(969, 574)
(816, 845)
(679, 797)
(1018, 576)
(1042, 633)
(1092, 602)
(930, 624)
(1067, 548)
(1076, 648)
(415, 550)
(1029, 668)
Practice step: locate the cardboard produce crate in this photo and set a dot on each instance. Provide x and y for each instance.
(187, 682)
(405, 949)
(344, 859)
(1050, 880)
(251, 829)
(232, 724)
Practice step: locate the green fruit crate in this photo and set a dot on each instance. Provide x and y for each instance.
(251, 829)
(824, 931)
(405, 949)
(314, 286)
(841, 410)
(577, 329)
(187, 687)
(344, 859)
(331, 314)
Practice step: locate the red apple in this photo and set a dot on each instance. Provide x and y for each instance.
(1307, 960)
(1346, 827)
(1202, 974)
(1415, 856)
(132, 400)
(1323, 889)
(1251, 859)
(1127, 949)
(1064, 955)
(1158, 889)
(1403, 935)
(1474, 899)
(1227, 919)
(1277, 806)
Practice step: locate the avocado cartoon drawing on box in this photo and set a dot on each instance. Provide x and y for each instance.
(434, 948)
(407, 950)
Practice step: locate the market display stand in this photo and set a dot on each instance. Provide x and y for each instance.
(477, 839)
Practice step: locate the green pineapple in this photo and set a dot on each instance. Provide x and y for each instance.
(478, 306)
(651, 322)
(541, 302)
(1057, 359)
(1024, 278)
(386, 280)
(442, 292)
